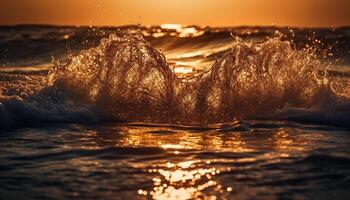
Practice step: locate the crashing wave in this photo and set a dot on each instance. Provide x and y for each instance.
(126, 79)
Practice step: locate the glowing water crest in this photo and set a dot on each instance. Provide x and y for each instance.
(126, 77)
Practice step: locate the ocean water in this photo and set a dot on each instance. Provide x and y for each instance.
(174, 112)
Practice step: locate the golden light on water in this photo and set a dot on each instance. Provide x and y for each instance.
(183, 139)
(182, 31)
(66, 37)
(184, 177)
(172, 146)
(178, 176)
(182, 70)
(177, 27)
(184, 180)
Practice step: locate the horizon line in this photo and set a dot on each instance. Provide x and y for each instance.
(184, 25)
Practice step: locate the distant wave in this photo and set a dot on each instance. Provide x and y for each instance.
(35, 45)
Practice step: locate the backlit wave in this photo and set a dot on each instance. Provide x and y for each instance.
(128, 79)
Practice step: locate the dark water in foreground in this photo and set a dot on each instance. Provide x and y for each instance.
(269, 110)
(248, 160)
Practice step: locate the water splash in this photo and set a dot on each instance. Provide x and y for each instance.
(132, 81)
(124, 76)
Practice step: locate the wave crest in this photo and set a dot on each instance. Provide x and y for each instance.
(130, 80)
(124, 76)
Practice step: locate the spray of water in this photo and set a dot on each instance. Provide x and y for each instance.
(130, 80)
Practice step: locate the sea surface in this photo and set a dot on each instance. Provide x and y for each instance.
(174, 112)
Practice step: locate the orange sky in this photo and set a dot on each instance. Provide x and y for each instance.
(309, 13)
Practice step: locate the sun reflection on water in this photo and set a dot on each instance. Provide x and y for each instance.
(188, 162)
(183, 31)
(185, 180)
(182, 139)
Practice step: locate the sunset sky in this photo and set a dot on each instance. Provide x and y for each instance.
(310, 13)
